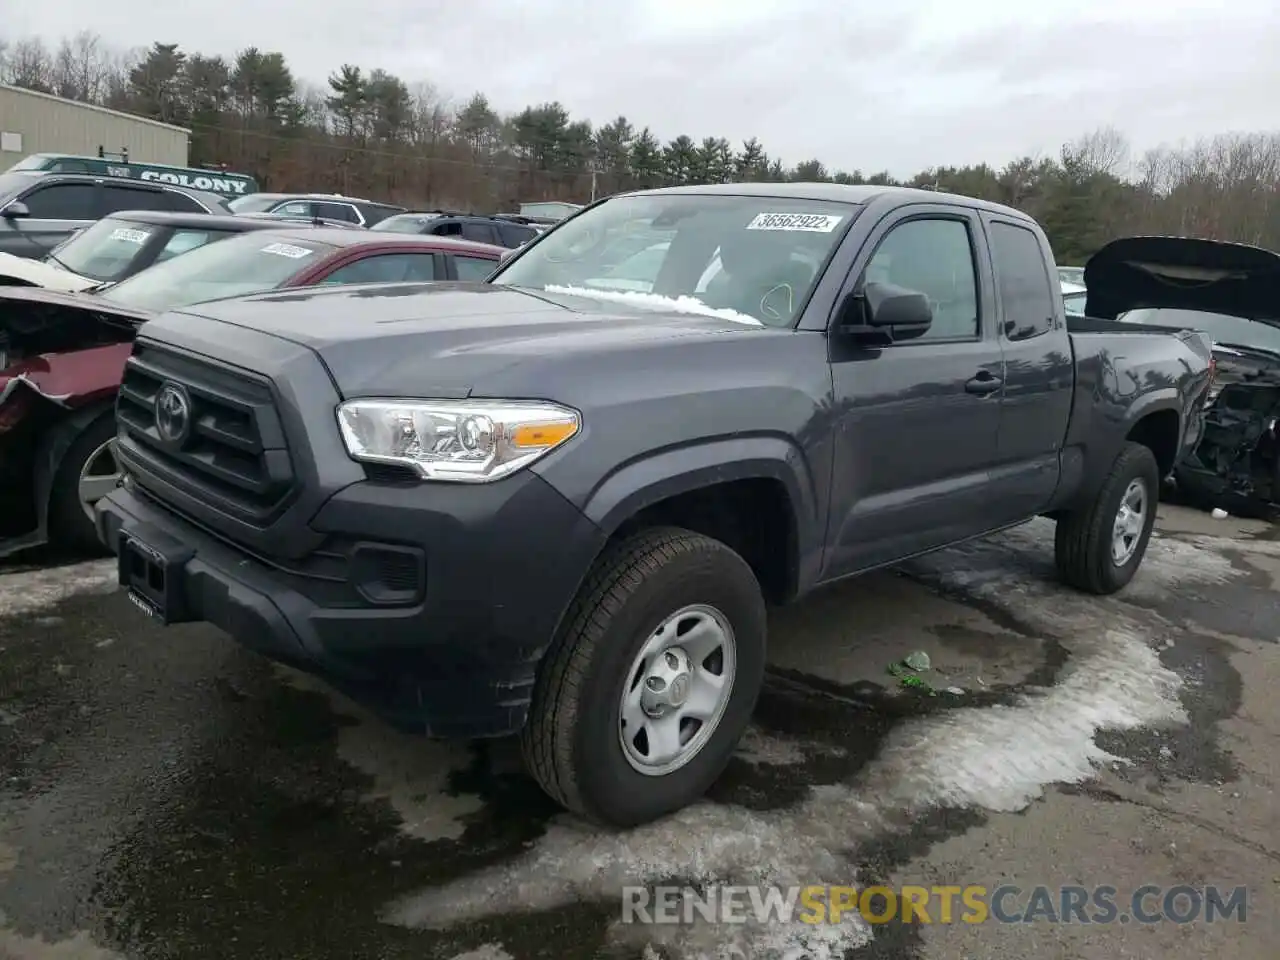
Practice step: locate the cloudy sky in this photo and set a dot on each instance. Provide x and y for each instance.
(857, 84)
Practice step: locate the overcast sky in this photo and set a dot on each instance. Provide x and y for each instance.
(860, 85)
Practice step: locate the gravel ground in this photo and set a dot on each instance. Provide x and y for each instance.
(166, 794)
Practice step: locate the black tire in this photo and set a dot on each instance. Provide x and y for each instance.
(1082, 543)
(571, 743)
(68, 526)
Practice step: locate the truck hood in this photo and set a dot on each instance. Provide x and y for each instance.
(404, 339)
(1182, 273)
(22, 271)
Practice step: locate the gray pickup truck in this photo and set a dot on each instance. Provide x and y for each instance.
(556, 503)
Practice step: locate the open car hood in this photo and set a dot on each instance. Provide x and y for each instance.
(1181, 273)
(27, 309)
(20, 271)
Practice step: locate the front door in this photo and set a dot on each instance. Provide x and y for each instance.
(917, 422)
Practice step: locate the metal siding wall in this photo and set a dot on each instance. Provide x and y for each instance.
(50, 126)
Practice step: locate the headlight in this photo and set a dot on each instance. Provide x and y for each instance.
(463, 440)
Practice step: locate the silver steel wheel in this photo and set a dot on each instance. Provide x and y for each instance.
(98, 477)
(1130, 519)
(677, 690)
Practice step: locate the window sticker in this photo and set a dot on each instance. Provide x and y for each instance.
(803, 222)
(130, 236)
(287, 250)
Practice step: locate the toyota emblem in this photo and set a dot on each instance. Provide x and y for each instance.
(173, 413)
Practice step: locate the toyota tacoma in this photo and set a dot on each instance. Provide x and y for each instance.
(542, 505)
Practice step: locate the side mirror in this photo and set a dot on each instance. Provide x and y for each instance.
(907, 312)
(15, 209)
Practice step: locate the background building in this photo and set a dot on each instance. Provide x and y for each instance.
(33, 122)
(542, 208)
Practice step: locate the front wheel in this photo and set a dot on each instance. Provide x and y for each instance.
(652, 680)
(87, 473)
(1099, 547)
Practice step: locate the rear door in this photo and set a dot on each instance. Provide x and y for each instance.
(917, 422)
(1039, 381)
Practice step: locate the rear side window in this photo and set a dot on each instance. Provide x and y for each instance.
(62, 201)
(474, 268)
(1026, 294)
(337, 211)
(480, 232)
(182, 203)
(131, 198)
(513, 234)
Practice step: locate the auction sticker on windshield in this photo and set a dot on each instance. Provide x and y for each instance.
(286, 250)
(130, 236)
(807, 222)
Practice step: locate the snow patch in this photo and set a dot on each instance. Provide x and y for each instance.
(488, 951)
(32, 590)
(78, 947)
(1001, 757)
(655, 301)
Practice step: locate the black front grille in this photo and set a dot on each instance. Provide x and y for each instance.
(234, 457)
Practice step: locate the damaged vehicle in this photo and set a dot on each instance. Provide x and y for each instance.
(62, 354)
(118, 246)
(1231, 292)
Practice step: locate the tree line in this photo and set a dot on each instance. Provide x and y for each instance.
(369, 133)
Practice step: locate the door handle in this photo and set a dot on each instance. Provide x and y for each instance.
(983, 384)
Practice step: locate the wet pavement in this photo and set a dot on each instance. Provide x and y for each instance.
(166, 794)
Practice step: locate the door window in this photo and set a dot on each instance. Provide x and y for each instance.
(295, 208)
(452, 229)
(63, 201)
(474, 268)
(132, 198)
(386, 268)
(1026, 295)
(933, 257)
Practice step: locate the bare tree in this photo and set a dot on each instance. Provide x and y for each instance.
(1106, 150)
(81, 67)
(30, 66)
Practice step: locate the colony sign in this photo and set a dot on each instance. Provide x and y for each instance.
(212, 184)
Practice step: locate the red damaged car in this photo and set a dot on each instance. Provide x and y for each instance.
(62, 355)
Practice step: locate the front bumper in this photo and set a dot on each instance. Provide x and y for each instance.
(455, 657)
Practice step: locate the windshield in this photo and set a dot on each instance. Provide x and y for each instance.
(249, 263)
(404, 224)
(754, 258)
(253, 203)
(104, 251)
(1223, 329)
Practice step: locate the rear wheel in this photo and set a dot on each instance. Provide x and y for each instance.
(652, 681)
(1099, 548)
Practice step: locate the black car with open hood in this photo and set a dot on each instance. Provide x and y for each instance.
(1230, 291)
